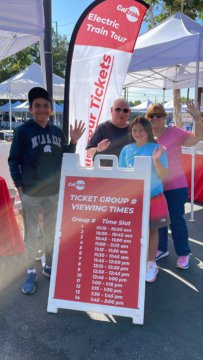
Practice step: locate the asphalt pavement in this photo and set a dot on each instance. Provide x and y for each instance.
(173, 322)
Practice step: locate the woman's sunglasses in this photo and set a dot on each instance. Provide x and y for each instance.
(119, 110)
(158, 116)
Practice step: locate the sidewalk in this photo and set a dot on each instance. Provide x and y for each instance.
(172, 329)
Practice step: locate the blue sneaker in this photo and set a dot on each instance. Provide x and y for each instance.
(161, 254)
(46, 271)
(29, 283)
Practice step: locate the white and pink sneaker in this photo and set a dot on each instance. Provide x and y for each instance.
(151, 271)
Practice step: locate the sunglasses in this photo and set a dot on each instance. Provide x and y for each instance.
(158, 116)
(119, 110)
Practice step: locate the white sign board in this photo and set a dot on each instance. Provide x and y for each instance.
(101, 240)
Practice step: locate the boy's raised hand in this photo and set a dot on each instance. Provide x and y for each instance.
(76, 131)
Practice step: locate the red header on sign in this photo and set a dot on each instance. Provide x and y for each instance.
(99, 251)
(112, 24)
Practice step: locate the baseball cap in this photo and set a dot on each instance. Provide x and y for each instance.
(38, 92)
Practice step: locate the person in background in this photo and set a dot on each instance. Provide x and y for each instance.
(145, 145)
(35, 166)
(175, 185)
(110, 136)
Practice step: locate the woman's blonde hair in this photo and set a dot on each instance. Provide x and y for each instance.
(156, 109)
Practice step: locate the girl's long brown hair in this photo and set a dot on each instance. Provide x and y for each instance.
(146, 125)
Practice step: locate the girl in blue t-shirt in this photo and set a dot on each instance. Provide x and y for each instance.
(146, 145)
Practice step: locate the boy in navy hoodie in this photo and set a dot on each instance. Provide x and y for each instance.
(35, 165)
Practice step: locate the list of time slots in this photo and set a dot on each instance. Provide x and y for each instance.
(110, 263)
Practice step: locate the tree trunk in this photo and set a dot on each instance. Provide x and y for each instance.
(151, 15)
(177, 118)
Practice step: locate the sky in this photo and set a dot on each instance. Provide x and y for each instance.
(65, 14)
(64, 18)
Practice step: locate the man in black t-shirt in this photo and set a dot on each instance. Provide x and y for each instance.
(110, 136)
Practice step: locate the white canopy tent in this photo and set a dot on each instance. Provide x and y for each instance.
(6, 107)
(21, 25)
(141, 107)
(22, 107)
(168, 106)
(18, 86)
(169, 56)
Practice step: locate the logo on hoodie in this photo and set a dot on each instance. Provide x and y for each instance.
(47, 148)
(47, 140)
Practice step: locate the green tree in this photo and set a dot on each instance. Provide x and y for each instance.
(160, 10)
(16, 63)
(13, 64)
(134, 103)
(60, 48)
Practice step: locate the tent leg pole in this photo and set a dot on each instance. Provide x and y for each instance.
(10, 113)
(193, 150)
(192, 185)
